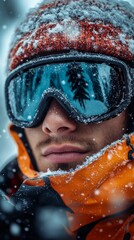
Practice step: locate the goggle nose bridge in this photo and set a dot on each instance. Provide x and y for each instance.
(55, 94)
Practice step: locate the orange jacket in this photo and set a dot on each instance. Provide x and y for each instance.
(99, 193)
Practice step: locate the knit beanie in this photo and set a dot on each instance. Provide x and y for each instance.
(93, 26)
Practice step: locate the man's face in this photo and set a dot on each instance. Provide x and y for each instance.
(60, 142)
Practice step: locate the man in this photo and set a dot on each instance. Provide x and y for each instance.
(69, 95)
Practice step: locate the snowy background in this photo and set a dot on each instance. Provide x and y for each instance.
(11, 11)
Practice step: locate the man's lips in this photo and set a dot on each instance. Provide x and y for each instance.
(64, 154)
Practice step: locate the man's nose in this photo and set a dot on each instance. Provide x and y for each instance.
(57, 121)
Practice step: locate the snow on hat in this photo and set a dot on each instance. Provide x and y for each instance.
(95, 26)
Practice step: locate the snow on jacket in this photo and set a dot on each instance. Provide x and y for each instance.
(96, 201)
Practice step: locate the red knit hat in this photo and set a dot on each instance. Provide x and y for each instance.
(95, 26)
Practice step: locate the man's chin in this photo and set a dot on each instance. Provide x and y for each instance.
(64, 166)
(68, 166)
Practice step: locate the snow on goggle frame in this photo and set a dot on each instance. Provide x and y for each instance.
(90, 87)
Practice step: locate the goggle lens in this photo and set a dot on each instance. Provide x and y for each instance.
(90, 89)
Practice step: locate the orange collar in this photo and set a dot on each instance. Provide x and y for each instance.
(102, 186)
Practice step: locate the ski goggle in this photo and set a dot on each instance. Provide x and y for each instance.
(90, 87)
